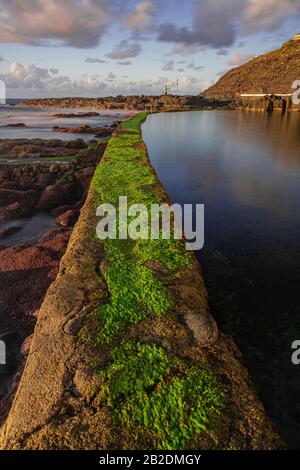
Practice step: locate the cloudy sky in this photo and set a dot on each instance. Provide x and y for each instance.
(110, 47)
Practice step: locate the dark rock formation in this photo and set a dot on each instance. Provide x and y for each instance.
(85, 129)
(57, 195)
(18, 125)
(134, 102)
(68, 218)
(267, 103)
(54, 187)
(26, 273)
(38, 148)
(75, 115)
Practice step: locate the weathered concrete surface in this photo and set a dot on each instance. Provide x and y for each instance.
(56, 406)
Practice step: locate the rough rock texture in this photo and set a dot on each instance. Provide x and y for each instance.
(75, 115)
(132, 102)
(267, 103)
(39, 148)
(85, 129)
(68, 218)
(27, 270)
(56, 187)
(56, 405)
(26, 273)
(273, 72)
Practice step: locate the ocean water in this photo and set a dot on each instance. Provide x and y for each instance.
(40, 122)
(245, 168)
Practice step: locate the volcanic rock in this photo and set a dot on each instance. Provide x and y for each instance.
(75, 115)
(68, 219)
(59, 195)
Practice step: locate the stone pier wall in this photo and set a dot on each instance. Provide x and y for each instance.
(126, 354)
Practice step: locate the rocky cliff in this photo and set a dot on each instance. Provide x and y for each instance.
(273, 72)
(126, 354)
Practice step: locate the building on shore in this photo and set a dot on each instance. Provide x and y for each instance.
(296, 37)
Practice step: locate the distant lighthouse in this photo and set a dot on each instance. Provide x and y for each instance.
(296, 37)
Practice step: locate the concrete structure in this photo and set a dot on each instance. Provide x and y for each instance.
(262, 95)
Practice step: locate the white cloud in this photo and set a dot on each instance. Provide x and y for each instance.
(141, 18)
(238, 58)
(63, 22)
(31, 81)
(268, 14)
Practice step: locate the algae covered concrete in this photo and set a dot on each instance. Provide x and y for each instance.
(126, 354)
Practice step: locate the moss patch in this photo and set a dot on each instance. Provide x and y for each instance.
(149, 391)
(136, 294)
(162, 401)
(103, 140)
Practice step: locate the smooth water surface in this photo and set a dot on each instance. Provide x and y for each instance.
(245, 168)
(39, 122)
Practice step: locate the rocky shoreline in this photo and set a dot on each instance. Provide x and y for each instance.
(36, 177)
(229, 101)
(133, 103)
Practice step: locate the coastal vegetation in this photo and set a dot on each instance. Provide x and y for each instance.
(143, 385)
(152, 392)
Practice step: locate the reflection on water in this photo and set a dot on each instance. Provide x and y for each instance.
(245, 168)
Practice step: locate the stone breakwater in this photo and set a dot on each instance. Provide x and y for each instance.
(126, 354)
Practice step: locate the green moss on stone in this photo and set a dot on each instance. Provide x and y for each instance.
(149, 390)
(103, 140)
(135, 293)
(162, 400)
(133, 124)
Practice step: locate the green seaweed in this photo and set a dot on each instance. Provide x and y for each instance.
(149, 390)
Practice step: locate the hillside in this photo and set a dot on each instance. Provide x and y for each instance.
(273, 72)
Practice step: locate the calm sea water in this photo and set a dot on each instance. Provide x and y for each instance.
(40, 122)
(245, 168)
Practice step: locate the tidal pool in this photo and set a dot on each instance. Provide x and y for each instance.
(245, 168)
